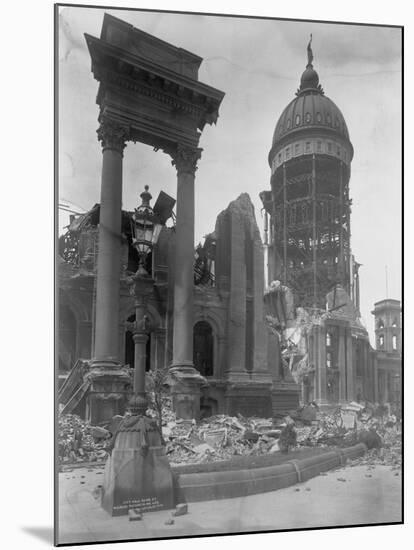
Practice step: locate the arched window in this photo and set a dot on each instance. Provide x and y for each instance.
(203, 348)
(329, 360)
(381, 341)
(394, 323)
(394, 342)
(380, 323)
(328, 340)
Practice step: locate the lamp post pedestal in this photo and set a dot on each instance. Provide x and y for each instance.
(137, 474)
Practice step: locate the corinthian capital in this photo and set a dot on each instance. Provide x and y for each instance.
(112, 135)
(185, 158)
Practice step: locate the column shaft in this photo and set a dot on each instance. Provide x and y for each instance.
(184, 271)
(350, 366)
(321, 366)
(342, 365)
(109, 255)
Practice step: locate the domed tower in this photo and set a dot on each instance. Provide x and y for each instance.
(308, 205)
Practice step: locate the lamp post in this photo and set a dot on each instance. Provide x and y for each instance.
(138, 474)
(145, 233)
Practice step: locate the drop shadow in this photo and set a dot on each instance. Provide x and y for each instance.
(43, 533)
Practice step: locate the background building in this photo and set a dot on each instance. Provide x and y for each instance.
(308, 237)
(387, 314)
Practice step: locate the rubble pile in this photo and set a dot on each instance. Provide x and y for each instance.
(221, 437)
(80, 442)
(377, 426)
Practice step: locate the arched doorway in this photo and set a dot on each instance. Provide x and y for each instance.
(67, 338)
(130, 347)
(203, 348)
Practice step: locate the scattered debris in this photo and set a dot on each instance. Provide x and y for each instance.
(134, 515)
(180, 510)
(169, 521)
(78, 441)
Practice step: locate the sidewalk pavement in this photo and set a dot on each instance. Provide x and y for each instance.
(346, 496)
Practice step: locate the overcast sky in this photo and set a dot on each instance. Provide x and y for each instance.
(258, 64)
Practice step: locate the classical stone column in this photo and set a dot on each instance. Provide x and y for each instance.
(186, 393)
(321, 366)
(185, 161)
(342, 365)
(108, 380)
(350, 378)
(113, 138)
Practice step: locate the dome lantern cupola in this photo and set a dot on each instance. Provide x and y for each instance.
(309, 81)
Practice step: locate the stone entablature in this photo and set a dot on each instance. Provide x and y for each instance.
(318, 145)
(150, 88)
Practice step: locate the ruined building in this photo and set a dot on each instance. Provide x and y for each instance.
(233, 348)
(387, 315)
(307, 233)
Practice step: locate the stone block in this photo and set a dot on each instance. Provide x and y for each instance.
(181, 510)
(137, 474)
(134, 515)
(215, 438)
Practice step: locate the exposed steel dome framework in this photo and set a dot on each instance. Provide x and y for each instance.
(307, 226)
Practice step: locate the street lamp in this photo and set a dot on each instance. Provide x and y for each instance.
(145, 232)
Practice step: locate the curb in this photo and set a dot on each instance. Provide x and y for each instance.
(240, 483)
